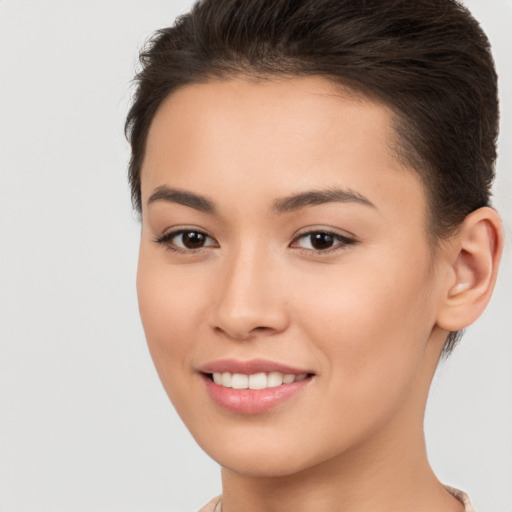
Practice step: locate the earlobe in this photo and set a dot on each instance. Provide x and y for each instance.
(475, 254)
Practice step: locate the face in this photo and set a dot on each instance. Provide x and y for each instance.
(285, 280)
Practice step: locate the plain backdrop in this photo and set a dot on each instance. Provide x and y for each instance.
(84, 423)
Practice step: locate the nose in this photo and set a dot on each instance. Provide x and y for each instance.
(249, 300)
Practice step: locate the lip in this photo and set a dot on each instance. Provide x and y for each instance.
(249, 367)
(252, 401)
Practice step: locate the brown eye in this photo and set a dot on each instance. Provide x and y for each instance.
(322, 241)
(191, 240)
(186, 240)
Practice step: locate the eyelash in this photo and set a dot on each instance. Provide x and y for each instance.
(340, 241)
(166, 240)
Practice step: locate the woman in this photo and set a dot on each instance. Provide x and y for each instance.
(313, 179)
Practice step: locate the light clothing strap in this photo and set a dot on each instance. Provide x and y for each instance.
(215, 504)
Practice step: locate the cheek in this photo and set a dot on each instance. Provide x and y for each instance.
(370, 325)
(170, 308)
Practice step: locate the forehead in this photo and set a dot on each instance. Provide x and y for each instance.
(294, 109)
(275, 137)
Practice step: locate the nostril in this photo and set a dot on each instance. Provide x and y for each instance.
(261, 329)
(244, 334)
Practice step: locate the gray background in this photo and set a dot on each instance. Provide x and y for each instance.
(84, 422)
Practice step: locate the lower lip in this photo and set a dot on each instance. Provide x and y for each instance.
(252, 401)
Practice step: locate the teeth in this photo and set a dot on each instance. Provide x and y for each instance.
(288, 379)
(226, 379)
(274, 379)
(240, 381)
(256, 380)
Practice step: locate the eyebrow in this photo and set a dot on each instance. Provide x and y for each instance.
(173, 195)
(284, 205)
(317, 197)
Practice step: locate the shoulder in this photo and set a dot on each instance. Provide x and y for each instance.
(211, 505)
(462, 497)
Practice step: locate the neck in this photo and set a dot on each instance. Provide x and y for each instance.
(363, 481)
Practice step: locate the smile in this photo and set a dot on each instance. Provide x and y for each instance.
(255, 386)
(255, 381)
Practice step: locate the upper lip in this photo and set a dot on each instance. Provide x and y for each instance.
(250, 367)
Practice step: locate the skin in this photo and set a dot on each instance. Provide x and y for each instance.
(367, 318)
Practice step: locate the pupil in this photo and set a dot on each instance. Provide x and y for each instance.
(193, 240)
(322, 240)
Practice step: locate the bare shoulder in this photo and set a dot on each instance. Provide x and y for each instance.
(462, 497)
(210, 506)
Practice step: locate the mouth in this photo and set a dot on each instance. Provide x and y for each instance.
(261, 380)
(253, 387)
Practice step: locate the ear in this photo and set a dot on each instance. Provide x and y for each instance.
(473, 258)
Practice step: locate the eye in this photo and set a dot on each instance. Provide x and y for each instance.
(186, 240)
(321, 241)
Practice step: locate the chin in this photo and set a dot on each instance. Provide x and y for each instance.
(258, 457)
(276, 466)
